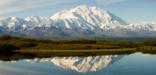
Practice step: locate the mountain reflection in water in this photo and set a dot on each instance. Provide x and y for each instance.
(131, 64)
(79, 64)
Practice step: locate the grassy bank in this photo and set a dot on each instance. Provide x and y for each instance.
(38, 44)
(9, 45)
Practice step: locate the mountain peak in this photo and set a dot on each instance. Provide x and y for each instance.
(83, 7)
(92, 16)
(88, 9)
(81, 21)
(12, 18)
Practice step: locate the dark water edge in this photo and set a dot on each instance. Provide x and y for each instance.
(21, 56)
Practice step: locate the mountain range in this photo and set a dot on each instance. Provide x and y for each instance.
(80, 22)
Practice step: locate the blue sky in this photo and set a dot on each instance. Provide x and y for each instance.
(133, 11)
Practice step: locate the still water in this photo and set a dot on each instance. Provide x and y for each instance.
(132, 64)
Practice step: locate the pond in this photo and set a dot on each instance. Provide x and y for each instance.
(126, 64)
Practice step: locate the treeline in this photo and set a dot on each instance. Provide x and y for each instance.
(148, 43)
(8, 43)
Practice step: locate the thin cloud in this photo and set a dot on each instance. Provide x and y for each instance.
(108, 1)
(2, 2)
(18, 5)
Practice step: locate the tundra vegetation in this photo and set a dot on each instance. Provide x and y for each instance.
(17, 45)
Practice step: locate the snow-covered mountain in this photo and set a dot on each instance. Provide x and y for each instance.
(80, 64)
(79, 22)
